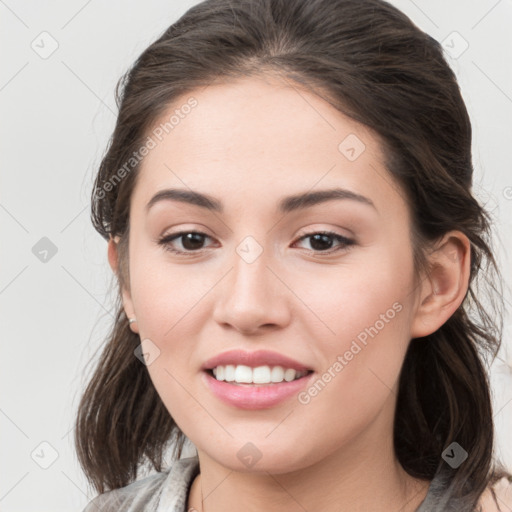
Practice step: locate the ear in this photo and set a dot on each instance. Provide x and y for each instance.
(113, 259)
(444, 288)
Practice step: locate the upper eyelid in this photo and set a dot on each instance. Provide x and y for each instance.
(298, 237)
(176, 236)
(302, 231)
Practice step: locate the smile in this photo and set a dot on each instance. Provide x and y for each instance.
(242, 374)
(252, 396)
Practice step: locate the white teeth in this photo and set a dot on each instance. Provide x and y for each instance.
(289, 375)
(243, 374)
(277, 374)
(229, 373)
(260, 375)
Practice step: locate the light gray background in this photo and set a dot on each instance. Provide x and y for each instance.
(57, 114)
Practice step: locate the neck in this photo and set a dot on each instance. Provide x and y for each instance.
(363, 475)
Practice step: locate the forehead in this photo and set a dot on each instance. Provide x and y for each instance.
(262, 137)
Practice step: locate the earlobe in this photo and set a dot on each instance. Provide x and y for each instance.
(129, 311)
(113, 259)
(444, 289)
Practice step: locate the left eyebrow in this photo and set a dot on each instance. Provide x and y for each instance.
(308, 199)
(286, 205)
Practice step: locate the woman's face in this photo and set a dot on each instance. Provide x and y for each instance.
(258, 279)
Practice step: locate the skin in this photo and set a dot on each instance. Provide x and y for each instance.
(248, 143)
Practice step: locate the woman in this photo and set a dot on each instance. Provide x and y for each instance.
(287, 203)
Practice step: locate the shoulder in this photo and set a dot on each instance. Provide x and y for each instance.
(169, 487)
(134, 497)
(503, 492)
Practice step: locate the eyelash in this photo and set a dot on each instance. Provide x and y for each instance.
(346, 243)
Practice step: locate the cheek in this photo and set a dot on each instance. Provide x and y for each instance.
(165, 295)
(367, 311)
(351, 300)
(167, 300)
(361, 364)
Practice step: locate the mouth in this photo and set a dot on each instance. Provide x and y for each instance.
(265, 375)
(261, 387)
(260, 379)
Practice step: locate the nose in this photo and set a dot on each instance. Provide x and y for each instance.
(252, 298)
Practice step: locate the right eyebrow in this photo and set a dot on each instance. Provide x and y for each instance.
(186, 196)
(286, 205)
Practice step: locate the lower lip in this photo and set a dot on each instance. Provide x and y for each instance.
(255, 396)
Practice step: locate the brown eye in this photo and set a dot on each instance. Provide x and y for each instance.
(190, 241)
(323, 241)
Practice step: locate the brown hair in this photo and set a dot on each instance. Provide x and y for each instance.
(368, 60)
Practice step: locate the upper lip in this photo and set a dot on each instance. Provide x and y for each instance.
(253, 359)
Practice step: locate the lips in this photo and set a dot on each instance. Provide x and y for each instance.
(253, 359)
(254, 396)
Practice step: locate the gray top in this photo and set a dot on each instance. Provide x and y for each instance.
(168, 492)
(162, 492)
